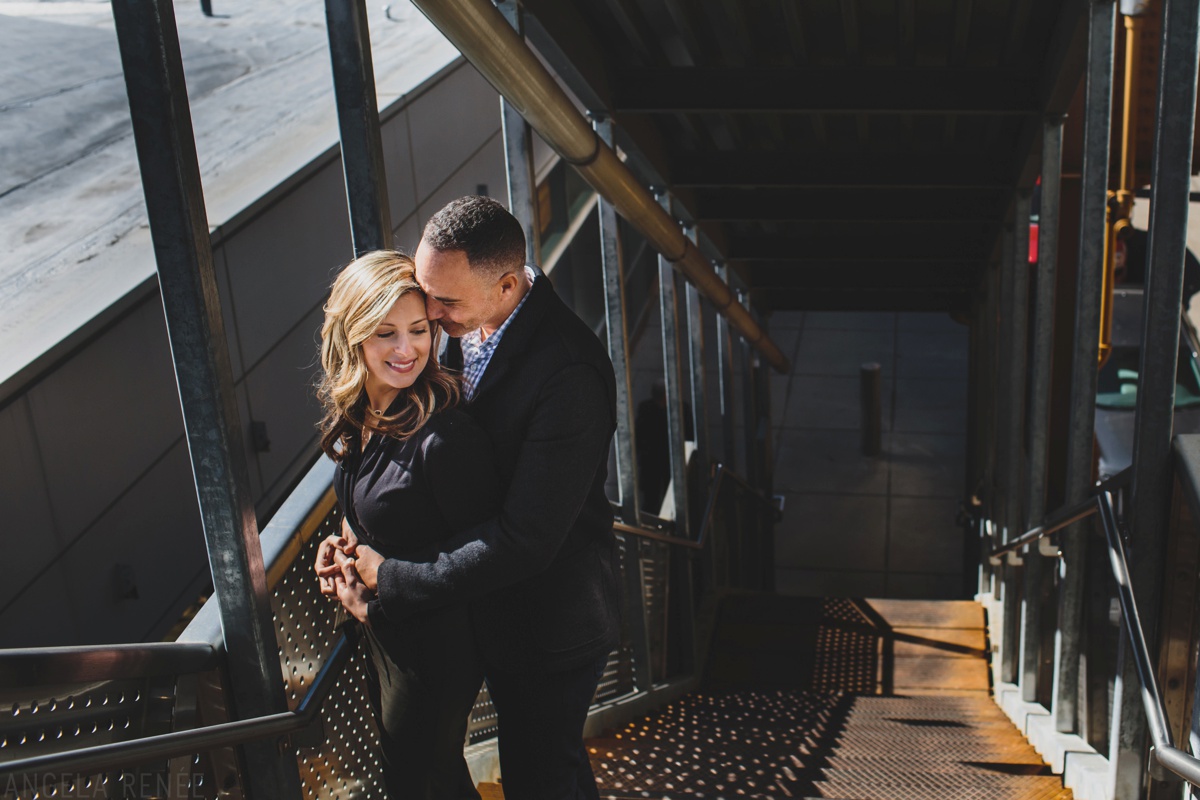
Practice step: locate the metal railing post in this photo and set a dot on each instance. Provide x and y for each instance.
(617, 326)
(1084, 361)
(764, 435)
(681, 567)
(695, 326)
(518, 155)
(1165, 253)
(1039, 403)
(166, 149)
(668, 304)
(1014, 435)
(725, 376)
(358, 124)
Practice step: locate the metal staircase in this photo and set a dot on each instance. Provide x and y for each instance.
(838, 698)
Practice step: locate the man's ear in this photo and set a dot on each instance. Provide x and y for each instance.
(508, 282)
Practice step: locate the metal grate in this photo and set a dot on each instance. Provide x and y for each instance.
(345, 764)
(60, 718)
(655, 561)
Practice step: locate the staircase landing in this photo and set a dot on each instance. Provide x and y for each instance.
(833, 698)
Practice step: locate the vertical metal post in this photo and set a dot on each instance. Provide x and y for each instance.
(752, 567)
(166, 148)
(616, 323)
(681, 563)
(725, 375)
(870, 399)
(358, 124)
(766, 522)
(1017, 325)
(1005, 400)
(1039, 402)
(668, 304)
(1097, 129)
(695, 324)
(1165, 253)
(518, 155)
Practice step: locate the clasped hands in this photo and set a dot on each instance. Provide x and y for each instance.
(348, 571)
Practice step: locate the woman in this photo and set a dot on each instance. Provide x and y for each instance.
(412, 470)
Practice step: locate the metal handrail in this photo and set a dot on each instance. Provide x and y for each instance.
(1163, 750)
(28, 666)
(720, 472)
(88, 760)
(1065, 516)
(1164, 755)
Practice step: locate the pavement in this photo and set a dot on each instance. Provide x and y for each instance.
(73, 230)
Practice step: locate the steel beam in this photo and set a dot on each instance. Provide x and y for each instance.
(671, 90)
(166, 149)
(849, 205)
(725, 376)
(616, 323)
(672, 334)
(358, 124)
(699, 382)
(1039, 402)
(518, 156)
(1097, 127)
(1165, 253)
(792, 169)
(1014, 435)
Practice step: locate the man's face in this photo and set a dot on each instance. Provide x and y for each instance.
(459, 299)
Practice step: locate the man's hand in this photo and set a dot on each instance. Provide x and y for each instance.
(330, 555)
(367, 566)
(352, 593)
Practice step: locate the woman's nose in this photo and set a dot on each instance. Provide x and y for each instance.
(404, 346)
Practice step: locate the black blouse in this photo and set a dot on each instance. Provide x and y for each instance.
(401, 496)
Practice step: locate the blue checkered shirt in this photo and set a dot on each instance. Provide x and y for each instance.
(477, 352)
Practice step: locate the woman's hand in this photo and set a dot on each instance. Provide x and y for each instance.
(330, 554)
(367, 565)
(352, 592)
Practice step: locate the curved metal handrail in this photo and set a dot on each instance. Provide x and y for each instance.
(27, 666)
(87, 760)
(1065, 516)
(1164, 755)
(1163, 750)
(720, 473)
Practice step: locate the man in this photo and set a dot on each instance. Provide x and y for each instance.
(543, 573)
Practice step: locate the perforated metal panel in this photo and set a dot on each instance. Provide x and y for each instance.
(346, 764)
(66, 717)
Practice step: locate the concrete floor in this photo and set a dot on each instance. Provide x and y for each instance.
(870, 526)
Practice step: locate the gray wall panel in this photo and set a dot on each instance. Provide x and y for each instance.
(280, 265)
(39, 617)
(485, 167)
(27, 514)
(398, 164)
(154, 531)
(106, 416)
(280, 390)
(448, 125)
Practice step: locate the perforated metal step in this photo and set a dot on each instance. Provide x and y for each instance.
(832, 733)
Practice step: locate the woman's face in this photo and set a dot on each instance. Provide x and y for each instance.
(397, 352)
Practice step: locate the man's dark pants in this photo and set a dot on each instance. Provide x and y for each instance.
(542, 756)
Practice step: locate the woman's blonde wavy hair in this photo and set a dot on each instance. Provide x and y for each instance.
(362, 296)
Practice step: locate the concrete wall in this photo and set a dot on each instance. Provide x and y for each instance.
(100, 515)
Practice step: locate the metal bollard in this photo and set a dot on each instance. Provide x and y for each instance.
(870, 396)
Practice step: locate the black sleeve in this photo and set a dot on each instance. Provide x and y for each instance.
(565, 443)
(459, 466)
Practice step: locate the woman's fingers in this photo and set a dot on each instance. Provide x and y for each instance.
(350, 573)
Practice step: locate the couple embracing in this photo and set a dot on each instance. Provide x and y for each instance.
(477, 542)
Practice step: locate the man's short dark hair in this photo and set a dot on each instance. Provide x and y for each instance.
(483, 229)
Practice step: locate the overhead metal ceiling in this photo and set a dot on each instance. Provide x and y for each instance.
(837, 154)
